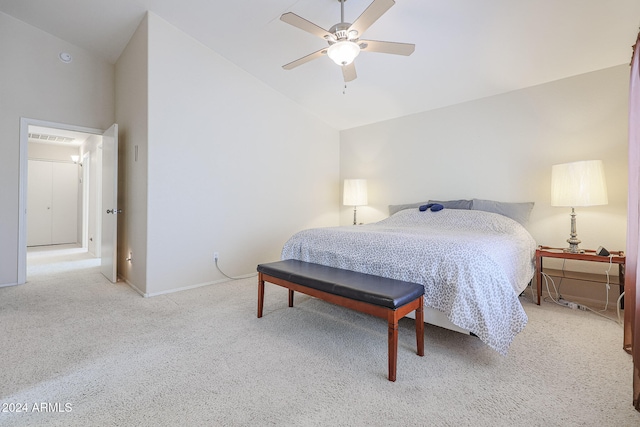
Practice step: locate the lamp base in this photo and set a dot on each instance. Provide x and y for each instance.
(573, 249)
(573, 241)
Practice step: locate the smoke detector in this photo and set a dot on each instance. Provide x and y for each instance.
(65, 57)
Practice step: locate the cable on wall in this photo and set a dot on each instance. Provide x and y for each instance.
(608, 284)
(246, 276)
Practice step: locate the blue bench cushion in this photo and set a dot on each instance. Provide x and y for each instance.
(363, 287)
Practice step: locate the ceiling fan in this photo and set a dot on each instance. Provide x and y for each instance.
(344, 38)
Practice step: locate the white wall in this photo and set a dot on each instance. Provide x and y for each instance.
(132, 118)
(38, 151)
(233, 166)
(34, 83)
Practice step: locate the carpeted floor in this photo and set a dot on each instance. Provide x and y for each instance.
(87, 352)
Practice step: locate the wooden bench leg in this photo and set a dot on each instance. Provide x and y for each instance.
(260, 294)
(393, 345)
(290, 298)
(420, 327)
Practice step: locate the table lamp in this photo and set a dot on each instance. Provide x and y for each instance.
(355, 194)
(578, 184)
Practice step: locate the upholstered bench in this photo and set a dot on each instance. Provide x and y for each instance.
(387, 298)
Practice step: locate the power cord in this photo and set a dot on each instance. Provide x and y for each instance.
(608, 284)
(618, 306)
(558, 296)
(564, 303)
(564, 263)
(246, 276)
(618, 321)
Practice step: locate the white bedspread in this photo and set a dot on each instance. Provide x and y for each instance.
(473, 264)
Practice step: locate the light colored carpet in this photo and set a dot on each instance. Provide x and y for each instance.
(201, 357)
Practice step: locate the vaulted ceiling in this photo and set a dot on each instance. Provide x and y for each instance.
(465, 49)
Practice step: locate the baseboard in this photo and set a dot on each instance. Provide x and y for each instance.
(170, 291)
(132, 286)
(4, 285)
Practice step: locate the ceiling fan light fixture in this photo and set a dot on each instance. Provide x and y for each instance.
(343, 52)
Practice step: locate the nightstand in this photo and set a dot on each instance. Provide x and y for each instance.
(617, 257)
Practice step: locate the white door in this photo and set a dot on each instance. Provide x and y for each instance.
(109, 243)
(52, 203)
(64, 199)
(39, 203)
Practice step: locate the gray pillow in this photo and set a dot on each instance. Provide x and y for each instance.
(517, 211)
(396, 208)
(454, 204)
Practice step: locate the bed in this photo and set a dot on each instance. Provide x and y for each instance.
(472, 263)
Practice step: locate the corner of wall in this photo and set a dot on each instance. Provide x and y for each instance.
(132, 81)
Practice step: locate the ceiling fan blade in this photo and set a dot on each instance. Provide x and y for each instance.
(308, 26)
(371, 15)
(405, 49)
(305, 59)
(349, 72)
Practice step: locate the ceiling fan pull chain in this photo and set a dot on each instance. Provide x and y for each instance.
(344, 91)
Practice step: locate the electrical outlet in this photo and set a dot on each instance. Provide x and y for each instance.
(216, 255)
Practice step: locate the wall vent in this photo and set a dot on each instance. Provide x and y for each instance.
(50, 138)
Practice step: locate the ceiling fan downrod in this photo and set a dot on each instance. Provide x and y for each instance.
(340, 31)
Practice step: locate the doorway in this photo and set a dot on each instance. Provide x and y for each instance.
(47, 143)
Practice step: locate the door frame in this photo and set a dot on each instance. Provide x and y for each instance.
(86, 172)
(25, 122)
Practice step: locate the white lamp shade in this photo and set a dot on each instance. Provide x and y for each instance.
(578, 184)
(355, 192)
(343, 52)
(75, 158)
